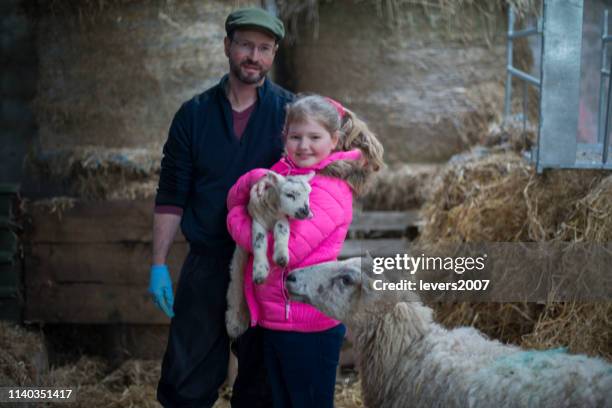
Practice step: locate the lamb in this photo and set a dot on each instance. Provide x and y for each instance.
(273, 199)
(406, 359)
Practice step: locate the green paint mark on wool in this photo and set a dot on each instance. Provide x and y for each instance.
(531, 359)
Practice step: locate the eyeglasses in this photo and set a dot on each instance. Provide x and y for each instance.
(265, 50)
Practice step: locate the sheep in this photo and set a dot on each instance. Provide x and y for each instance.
(273, 199)
(406, 359)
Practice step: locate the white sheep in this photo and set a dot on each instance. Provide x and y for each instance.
(273, 199)
(408, 360)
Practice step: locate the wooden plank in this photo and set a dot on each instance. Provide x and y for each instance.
(118, 263)
(125, 220)
(384, 220)
(91, 303)
(95, 222)
(376, 247)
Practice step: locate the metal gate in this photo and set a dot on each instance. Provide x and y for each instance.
(557, 145)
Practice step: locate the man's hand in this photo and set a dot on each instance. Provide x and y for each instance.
(160, 286)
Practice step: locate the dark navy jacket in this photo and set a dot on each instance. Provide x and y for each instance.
(203, 158)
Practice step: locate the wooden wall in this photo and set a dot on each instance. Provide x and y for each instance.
(91, 264)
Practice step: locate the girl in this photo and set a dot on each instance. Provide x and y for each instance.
(301, 344)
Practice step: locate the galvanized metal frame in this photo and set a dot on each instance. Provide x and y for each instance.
(559, 86)
(511, 71)
(603, 133)
(560, 92)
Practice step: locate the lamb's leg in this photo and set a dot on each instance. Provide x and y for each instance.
(237, 316)
(281, 242)
(261, 268)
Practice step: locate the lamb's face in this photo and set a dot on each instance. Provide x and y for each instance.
(335, 288)
(294, 194)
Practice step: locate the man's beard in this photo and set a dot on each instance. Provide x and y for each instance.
(245, 78)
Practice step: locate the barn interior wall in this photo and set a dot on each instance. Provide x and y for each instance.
(111, 77)
(18, 80)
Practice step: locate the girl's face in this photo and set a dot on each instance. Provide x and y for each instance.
(308, 143)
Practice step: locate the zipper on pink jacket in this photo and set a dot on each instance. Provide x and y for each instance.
(284, 290)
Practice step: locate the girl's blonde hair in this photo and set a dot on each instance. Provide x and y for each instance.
(354, 133)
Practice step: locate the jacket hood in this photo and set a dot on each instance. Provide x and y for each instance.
(287, 166)
(345, 165)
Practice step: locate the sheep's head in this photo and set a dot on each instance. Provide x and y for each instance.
(294, 194)
(345, 290)
(336, 288)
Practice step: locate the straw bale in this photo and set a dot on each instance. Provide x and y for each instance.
(394, 13)
(400, 188)
(134, 190)
(113, 72)
(53, 205)
(97, 173)
(425, 95)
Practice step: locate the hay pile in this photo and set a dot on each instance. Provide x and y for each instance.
(96, 383)
(133, 384)
(96, 173)
(22, 357)
(498, 197)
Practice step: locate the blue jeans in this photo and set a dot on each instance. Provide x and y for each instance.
(302, 366)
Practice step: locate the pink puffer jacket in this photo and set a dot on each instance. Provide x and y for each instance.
(311, 241)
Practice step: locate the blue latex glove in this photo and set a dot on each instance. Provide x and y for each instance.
(160, 286)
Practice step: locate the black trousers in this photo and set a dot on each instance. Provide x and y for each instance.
(196, 358)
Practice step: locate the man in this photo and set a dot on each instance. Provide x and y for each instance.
(214, 138)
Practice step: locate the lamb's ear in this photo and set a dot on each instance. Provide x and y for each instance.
(274, 177)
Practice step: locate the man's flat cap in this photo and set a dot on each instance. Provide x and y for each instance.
(255, 17)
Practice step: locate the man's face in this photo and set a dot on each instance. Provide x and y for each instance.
(251, 54)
